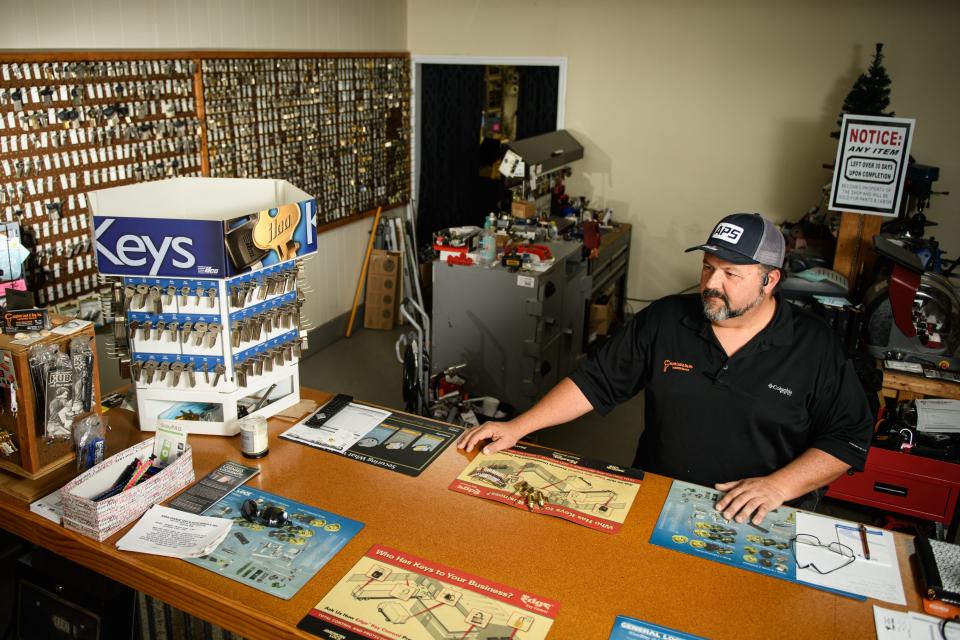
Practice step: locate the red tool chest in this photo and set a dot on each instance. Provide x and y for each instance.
(911, 485)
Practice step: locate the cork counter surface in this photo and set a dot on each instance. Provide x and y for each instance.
(594, 576)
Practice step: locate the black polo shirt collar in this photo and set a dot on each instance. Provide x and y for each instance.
(777, 333)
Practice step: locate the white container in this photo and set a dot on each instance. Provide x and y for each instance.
(100, 520)
(253, 436)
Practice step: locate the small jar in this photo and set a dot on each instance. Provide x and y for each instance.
(253, 437)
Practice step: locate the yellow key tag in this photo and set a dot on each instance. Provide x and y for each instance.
(275, 228)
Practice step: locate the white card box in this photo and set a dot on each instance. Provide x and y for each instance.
(100, 520)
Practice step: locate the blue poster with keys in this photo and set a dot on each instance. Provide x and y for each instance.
(276, 545)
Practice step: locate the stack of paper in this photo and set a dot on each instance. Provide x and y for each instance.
(164, 531)
(938, 415)
(50, 507)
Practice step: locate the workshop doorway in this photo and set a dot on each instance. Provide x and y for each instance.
(465, 110)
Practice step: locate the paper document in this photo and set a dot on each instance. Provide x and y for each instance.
(909, 625)
(340, 432)
(50, 507)
(878, 578)
(833, 301)
(939, 415)
(164, 531)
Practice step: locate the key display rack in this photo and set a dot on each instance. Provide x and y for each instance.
(210, 333)
(210, 351)
(335, 124)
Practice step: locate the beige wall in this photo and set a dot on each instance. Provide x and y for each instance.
(312, 25)
(353, 25)
(690, 110)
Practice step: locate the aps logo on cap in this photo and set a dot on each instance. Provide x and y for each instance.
(728, 232)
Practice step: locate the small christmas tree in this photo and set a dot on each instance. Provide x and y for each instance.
(870, 95)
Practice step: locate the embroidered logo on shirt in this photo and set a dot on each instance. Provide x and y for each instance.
(676, 366)
(783, 390)
(728, 233)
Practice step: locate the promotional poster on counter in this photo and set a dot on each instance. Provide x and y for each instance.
(590, 493)
(391, 595)
(277, 560)
(398, 442)
(689, 523)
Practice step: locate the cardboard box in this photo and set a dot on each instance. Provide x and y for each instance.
(378, 283)
(201, 227)
(385, 263)
(382, 301)
(523, 209)
(380, 312)
(601, 317)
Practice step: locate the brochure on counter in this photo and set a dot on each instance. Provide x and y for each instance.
(212, 488)
(399, 442)
(389, 594)
(689, 523)
(625, 628)
(587, 492)
(275, 560)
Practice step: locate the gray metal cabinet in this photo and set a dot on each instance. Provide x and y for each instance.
(519, 333)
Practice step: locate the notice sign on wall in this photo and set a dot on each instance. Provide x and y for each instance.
(871, 164)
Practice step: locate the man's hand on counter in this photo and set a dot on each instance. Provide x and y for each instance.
(754, 497)
(500, 434)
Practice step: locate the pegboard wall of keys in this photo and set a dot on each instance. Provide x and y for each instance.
(71, 126)
(336, 126)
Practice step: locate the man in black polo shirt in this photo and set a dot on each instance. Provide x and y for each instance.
(743, 391)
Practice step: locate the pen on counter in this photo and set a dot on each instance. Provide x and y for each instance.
(863, 541)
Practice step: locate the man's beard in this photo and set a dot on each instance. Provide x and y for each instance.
(720, 314)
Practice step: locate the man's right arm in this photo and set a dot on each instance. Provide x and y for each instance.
(563, 403)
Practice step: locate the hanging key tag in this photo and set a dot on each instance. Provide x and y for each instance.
(275, 228)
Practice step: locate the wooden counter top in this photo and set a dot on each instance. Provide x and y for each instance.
(594, 576)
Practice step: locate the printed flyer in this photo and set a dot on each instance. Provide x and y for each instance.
(593, 494)
(393, 595)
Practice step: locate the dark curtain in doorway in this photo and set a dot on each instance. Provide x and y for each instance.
(537, 101)
(451, 106)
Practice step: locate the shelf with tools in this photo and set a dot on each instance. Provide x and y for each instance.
(336, 124)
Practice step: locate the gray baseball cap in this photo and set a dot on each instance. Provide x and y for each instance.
(746, 238)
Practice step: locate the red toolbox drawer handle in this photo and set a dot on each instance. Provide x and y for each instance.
(892, 489)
